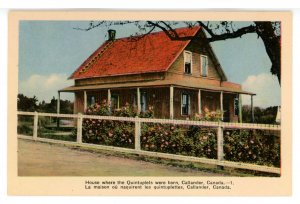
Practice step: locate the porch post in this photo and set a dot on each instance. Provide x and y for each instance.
(199, 102)
(221, 105)
(58, 109)
(58, 102)
(75, 103)
(240, 108)
(171, 102)
(138, 96)
(252, 110)
(109, 99)
(84, 101)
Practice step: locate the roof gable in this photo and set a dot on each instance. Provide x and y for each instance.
(152, 53)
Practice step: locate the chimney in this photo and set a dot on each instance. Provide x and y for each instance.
(111, 35)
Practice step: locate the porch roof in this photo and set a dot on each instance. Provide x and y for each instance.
(150, 84)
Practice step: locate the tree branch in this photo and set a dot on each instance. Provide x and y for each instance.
(235, 34)
(169, 33)
(92, 25)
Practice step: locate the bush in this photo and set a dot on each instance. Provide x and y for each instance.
(190, 140)
(109, 132)
(250, 146)
(24, 130)
(204, 141)
(214, 116)
(165, 138)
(98, 109)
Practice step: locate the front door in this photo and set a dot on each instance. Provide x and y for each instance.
(226, 110)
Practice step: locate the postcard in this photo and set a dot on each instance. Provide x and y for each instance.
(149, 103)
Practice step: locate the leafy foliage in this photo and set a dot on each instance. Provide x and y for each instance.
(207, 115)
(252, 146)
(24, 129)
(25, 103)
(188, 140)
(261, 115)
(110, 132)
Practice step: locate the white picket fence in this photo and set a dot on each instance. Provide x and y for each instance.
(220, 126)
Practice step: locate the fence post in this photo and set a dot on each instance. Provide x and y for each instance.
(35, 125)
(220, 140)
(79, 128)
(137, 135)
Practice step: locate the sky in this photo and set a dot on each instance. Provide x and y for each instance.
(50, 51)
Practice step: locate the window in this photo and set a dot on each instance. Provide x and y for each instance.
(90, 100)
(185, 104)
(187, 62)
(204, 65)
(236, 105)
(143, 102)
(114, 102)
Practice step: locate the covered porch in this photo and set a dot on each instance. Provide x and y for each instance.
(174, 101)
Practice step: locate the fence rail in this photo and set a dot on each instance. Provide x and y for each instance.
(220, 126)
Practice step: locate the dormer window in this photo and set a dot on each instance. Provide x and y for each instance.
(187, 62)
(204, 65)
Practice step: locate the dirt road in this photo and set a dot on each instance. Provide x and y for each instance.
(43, 159)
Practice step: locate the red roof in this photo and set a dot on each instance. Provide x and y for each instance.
(153, 53)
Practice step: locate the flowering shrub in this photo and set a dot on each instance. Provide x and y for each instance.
(111, 132)
(251, 146)
(204, 141)
(185, 140)
(148, 114)
(164, 138)
(98, 109)
(209, 115)
(108, 132)
(182, 140)
(126, 111)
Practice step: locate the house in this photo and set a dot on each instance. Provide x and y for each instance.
(177, 78)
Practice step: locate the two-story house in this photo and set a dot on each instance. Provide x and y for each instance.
(176, 78)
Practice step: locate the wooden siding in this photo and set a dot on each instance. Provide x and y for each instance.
(125, 96)
(99, 95)
(210, 101)
(159, 99)
(197, 50)
(232, 85)
(177, 103)
(120, 79)
(78, 104)
(229, 106)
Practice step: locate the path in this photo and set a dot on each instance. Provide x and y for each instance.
(43, 159)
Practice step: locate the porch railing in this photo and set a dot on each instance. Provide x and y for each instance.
(220, 126)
